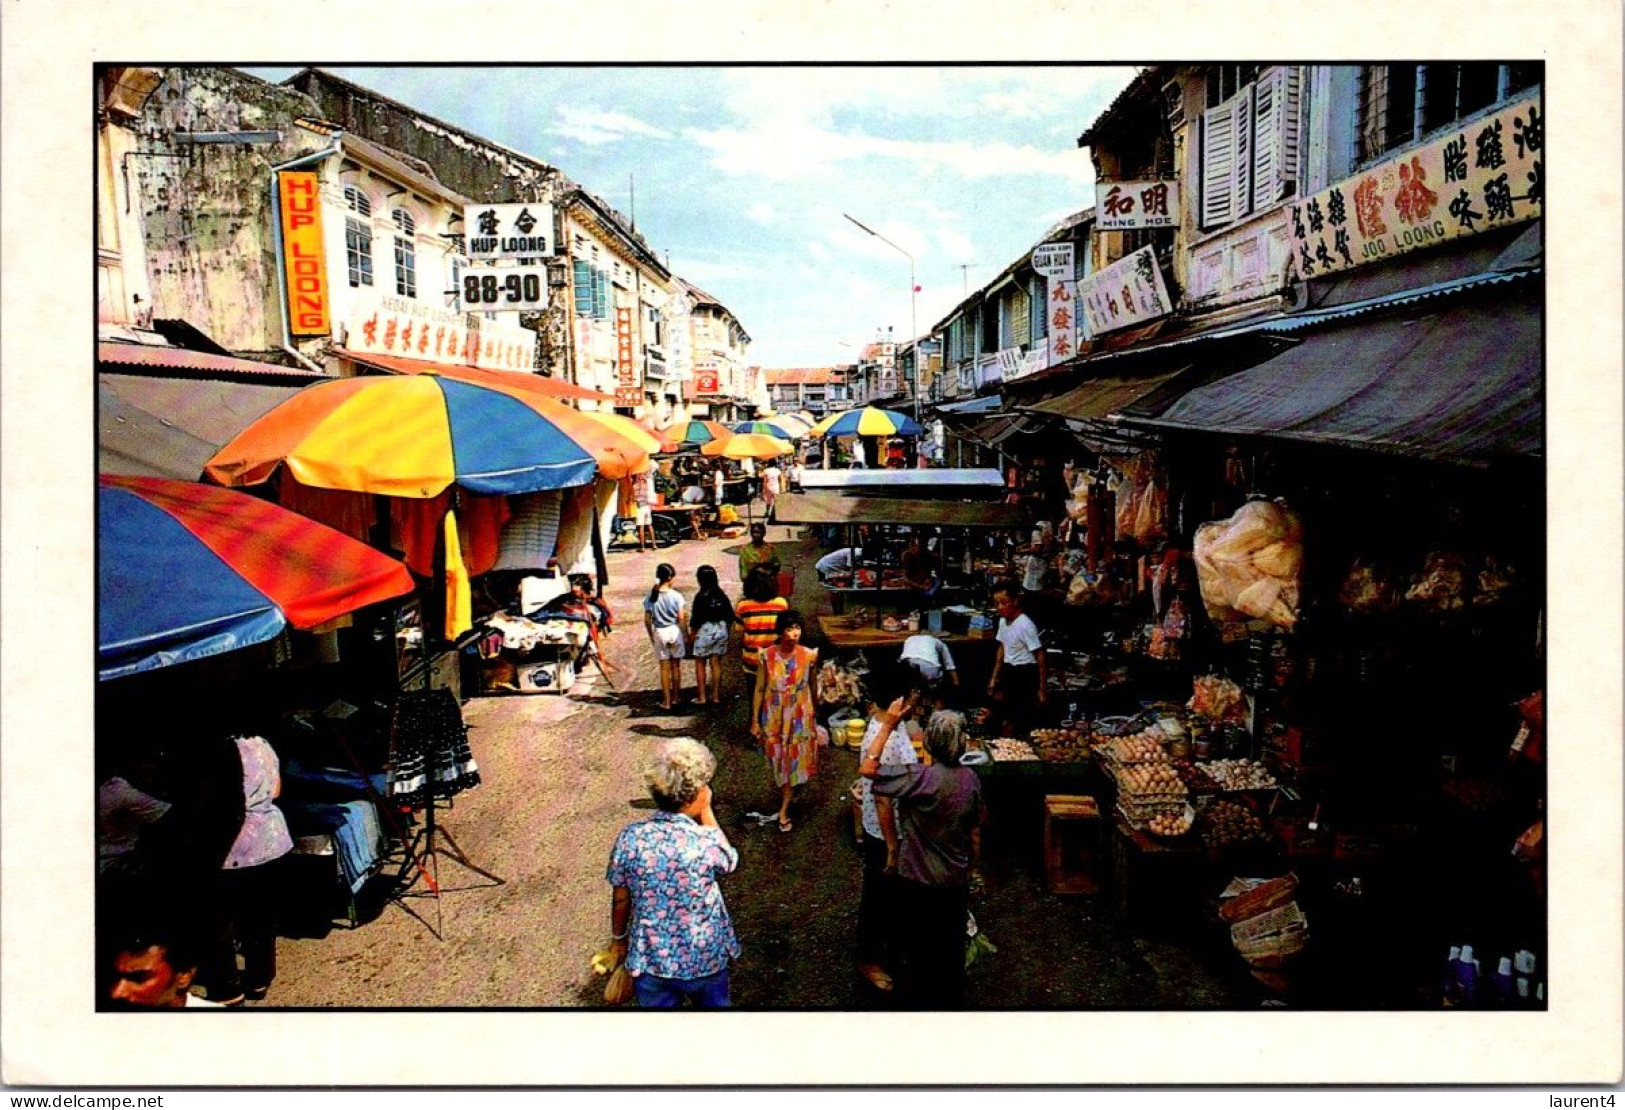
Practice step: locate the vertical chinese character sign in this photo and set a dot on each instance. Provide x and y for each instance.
(305, 265)
(1473, 177)
(626, 392)
(1063, 320)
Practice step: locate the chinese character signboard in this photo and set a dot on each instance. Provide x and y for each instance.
(1063, 320)
(1473, 177)
(304, 261)
(626, 372)
(1054, 260)
(1129, 291)
(1126, 205)
(508, 230)
(407, 328)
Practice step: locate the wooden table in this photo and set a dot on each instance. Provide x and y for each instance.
(835, 630)
(839, 595)
(695, 514)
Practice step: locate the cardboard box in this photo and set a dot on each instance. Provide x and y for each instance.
(545, 678)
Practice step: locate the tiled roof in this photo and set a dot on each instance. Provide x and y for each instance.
(804, 375)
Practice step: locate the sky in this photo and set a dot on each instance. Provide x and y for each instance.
(743, 175)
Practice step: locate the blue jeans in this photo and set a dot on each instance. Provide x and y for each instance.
(708, 992)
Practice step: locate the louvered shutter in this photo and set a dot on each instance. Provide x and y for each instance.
(584, 289)
(1219, 164)
(1278, 131)
(1245, 135)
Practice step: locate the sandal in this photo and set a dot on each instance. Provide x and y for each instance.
(785, 825)
(876, 977)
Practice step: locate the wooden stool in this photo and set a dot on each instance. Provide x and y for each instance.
(1075, 843)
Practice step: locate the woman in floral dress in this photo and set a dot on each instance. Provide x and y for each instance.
(787, 724)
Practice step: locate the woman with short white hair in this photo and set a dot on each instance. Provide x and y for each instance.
(668, 921)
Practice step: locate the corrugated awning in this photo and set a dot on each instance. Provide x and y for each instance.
(171, 427)
(975, 407)
(181, 358)
(944, 477)
(834, 508)
(553, 387)
(1100, 397)
(1463, 384)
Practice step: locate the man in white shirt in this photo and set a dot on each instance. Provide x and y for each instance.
(930, 656)
(794, 475)
(643, 496)
(838, 560)
(1019, 668)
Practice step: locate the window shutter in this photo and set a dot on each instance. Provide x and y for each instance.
(600, 293)
(1245, 136)
(1278, 131)
(584, 289)
(1219, 164)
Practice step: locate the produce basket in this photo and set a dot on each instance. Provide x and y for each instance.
(1257, 928)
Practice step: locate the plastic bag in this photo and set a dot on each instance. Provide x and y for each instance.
(618, 991)
(1250, 565)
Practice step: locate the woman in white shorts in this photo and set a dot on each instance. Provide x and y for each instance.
(666, 618)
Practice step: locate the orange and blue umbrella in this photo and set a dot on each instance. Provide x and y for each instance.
(747, 445)
(417, 436)
(867, 422)
(761, 428)
(187, 570)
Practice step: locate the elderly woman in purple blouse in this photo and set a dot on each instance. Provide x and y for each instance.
(668, 921)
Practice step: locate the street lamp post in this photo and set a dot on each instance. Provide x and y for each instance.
(913, 327)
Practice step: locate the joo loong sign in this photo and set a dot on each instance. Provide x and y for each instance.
(1473, 177)
(304, 262)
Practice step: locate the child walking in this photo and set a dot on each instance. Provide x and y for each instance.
(713, 613)
(666, 618)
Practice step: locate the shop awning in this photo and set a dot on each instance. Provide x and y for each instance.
(1463, 383)
(978, 406)
(1100, 397)
(153, 357)
(879, 480)
(170, 427)
(548, 387)
(834, 508)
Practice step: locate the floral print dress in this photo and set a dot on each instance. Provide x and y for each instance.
(789, 724)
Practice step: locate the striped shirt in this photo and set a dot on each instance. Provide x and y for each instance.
(760, 619)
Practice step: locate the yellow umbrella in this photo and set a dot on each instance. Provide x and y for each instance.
(629, 428)
(748, 445)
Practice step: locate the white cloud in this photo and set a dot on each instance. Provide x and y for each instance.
(955, 244)
(598, 127)
(761, 212)
(788, 153)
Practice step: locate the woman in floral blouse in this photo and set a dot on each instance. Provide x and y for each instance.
(667, 918)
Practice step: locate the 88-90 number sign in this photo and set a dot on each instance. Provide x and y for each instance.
(492, 289)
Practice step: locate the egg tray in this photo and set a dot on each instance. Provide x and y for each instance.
(1139, 816)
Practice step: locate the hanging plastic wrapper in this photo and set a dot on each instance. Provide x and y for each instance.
(1250, 566)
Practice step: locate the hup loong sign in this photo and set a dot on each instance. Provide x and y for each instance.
(1473, 177)
(303, 259)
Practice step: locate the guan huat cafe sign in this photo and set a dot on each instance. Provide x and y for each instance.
(1474, 177)
(303, 260)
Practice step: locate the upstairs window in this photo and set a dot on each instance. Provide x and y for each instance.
(357, 237)
(1401, 104)
(1038, 309)
(406, 260)
(1251, 135)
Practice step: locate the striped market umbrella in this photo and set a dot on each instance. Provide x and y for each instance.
(792, 423)
(698, 432)
(761, 428)
(867, 422)
(186, 571)
(418, 436)
(631, 429)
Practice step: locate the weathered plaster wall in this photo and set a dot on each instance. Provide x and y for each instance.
(206, 209)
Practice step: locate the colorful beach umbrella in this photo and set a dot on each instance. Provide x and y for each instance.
(761, 428)
(867, 422)
(187, 570)
(748, 445)
(631, 429)
(417, 436)
(698, 432)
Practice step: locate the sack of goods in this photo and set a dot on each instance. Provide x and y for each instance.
(1250, 566)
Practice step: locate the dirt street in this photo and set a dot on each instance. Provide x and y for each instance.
(561, 778)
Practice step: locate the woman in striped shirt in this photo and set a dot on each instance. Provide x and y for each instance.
(758, 615)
